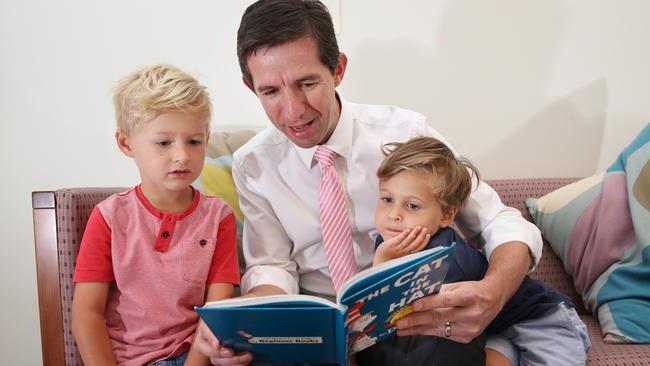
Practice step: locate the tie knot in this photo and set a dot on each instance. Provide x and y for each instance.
(325, 156)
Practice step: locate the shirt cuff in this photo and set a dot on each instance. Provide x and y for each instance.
(519, 230)
(268, 275)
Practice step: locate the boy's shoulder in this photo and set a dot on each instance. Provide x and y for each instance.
(213, 204)
(116, 200)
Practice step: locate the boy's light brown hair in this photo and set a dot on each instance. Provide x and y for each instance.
(451, 176)
(155, 89)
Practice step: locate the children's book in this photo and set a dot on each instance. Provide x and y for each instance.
(310, 329)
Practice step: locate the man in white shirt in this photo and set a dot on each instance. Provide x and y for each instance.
(290, 59)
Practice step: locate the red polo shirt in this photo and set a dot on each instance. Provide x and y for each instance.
(159, 266)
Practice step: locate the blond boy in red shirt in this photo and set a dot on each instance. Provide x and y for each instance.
(152, 253)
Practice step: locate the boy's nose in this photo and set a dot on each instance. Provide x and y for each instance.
(181, 154)
(395, 215)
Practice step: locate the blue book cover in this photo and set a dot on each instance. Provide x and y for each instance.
(304, 328)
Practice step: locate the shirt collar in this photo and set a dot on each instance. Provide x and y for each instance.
(154, 211)
(340, 141)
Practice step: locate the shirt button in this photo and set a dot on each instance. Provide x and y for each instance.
(202, 242)
(165, 234)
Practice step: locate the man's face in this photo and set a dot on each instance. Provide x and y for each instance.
(297, 90)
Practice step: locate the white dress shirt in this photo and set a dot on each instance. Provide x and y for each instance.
(278, 184)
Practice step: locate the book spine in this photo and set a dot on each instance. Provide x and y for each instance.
(341, 339)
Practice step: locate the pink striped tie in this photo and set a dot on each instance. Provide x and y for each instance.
(334, 219)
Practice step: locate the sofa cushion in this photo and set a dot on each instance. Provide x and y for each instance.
(600, 228)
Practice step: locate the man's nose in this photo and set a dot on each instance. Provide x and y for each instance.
(294, 104)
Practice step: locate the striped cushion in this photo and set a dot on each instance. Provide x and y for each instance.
(600, 228)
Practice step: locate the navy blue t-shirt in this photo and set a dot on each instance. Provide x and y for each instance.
(532, 299)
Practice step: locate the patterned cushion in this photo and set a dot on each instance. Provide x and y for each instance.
(600, 228)
(73, 208)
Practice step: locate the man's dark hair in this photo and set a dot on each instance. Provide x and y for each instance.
(268, 23)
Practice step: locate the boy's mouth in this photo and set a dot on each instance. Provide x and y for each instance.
(179, 172)
(394, 230)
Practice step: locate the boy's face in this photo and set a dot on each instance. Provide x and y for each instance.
(406, 200)
(297, 91)
(169, 151)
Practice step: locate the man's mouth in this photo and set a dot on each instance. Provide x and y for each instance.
(301, 127)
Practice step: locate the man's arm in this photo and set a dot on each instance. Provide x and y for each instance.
(266, 245)
(470, 306)
(270, 270)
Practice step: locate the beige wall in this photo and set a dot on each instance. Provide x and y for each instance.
(523, 87)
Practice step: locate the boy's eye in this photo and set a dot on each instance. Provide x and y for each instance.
(412, 206)
(163, 143)
(386, 199)
(195, 142)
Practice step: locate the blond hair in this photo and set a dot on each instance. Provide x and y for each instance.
(451, 176)
(155, 89)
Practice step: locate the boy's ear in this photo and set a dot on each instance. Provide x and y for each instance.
(123, 143)
(448, 216)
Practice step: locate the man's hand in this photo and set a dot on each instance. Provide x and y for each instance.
(461, 311)
(206, 343)
(469, 307)
(407, 242)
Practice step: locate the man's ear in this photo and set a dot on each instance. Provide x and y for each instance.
(248, 85)
(448, 216)
(123, 143)
(339, 71)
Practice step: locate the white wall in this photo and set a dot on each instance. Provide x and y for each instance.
(523, 87)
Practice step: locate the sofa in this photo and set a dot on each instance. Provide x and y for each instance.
(514, 192)
(60, 217)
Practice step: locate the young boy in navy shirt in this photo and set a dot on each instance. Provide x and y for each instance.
(422, 187)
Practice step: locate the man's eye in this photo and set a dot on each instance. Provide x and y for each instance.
(269, 92)
(308, 85)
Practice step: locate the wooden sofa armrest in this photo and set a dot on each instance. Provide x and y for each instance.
(47, 277)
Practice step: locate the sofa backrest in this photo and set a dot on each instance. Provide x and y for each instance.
(513, 193)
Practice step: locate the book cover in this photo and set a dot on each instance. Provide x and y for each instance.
(303, 328)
